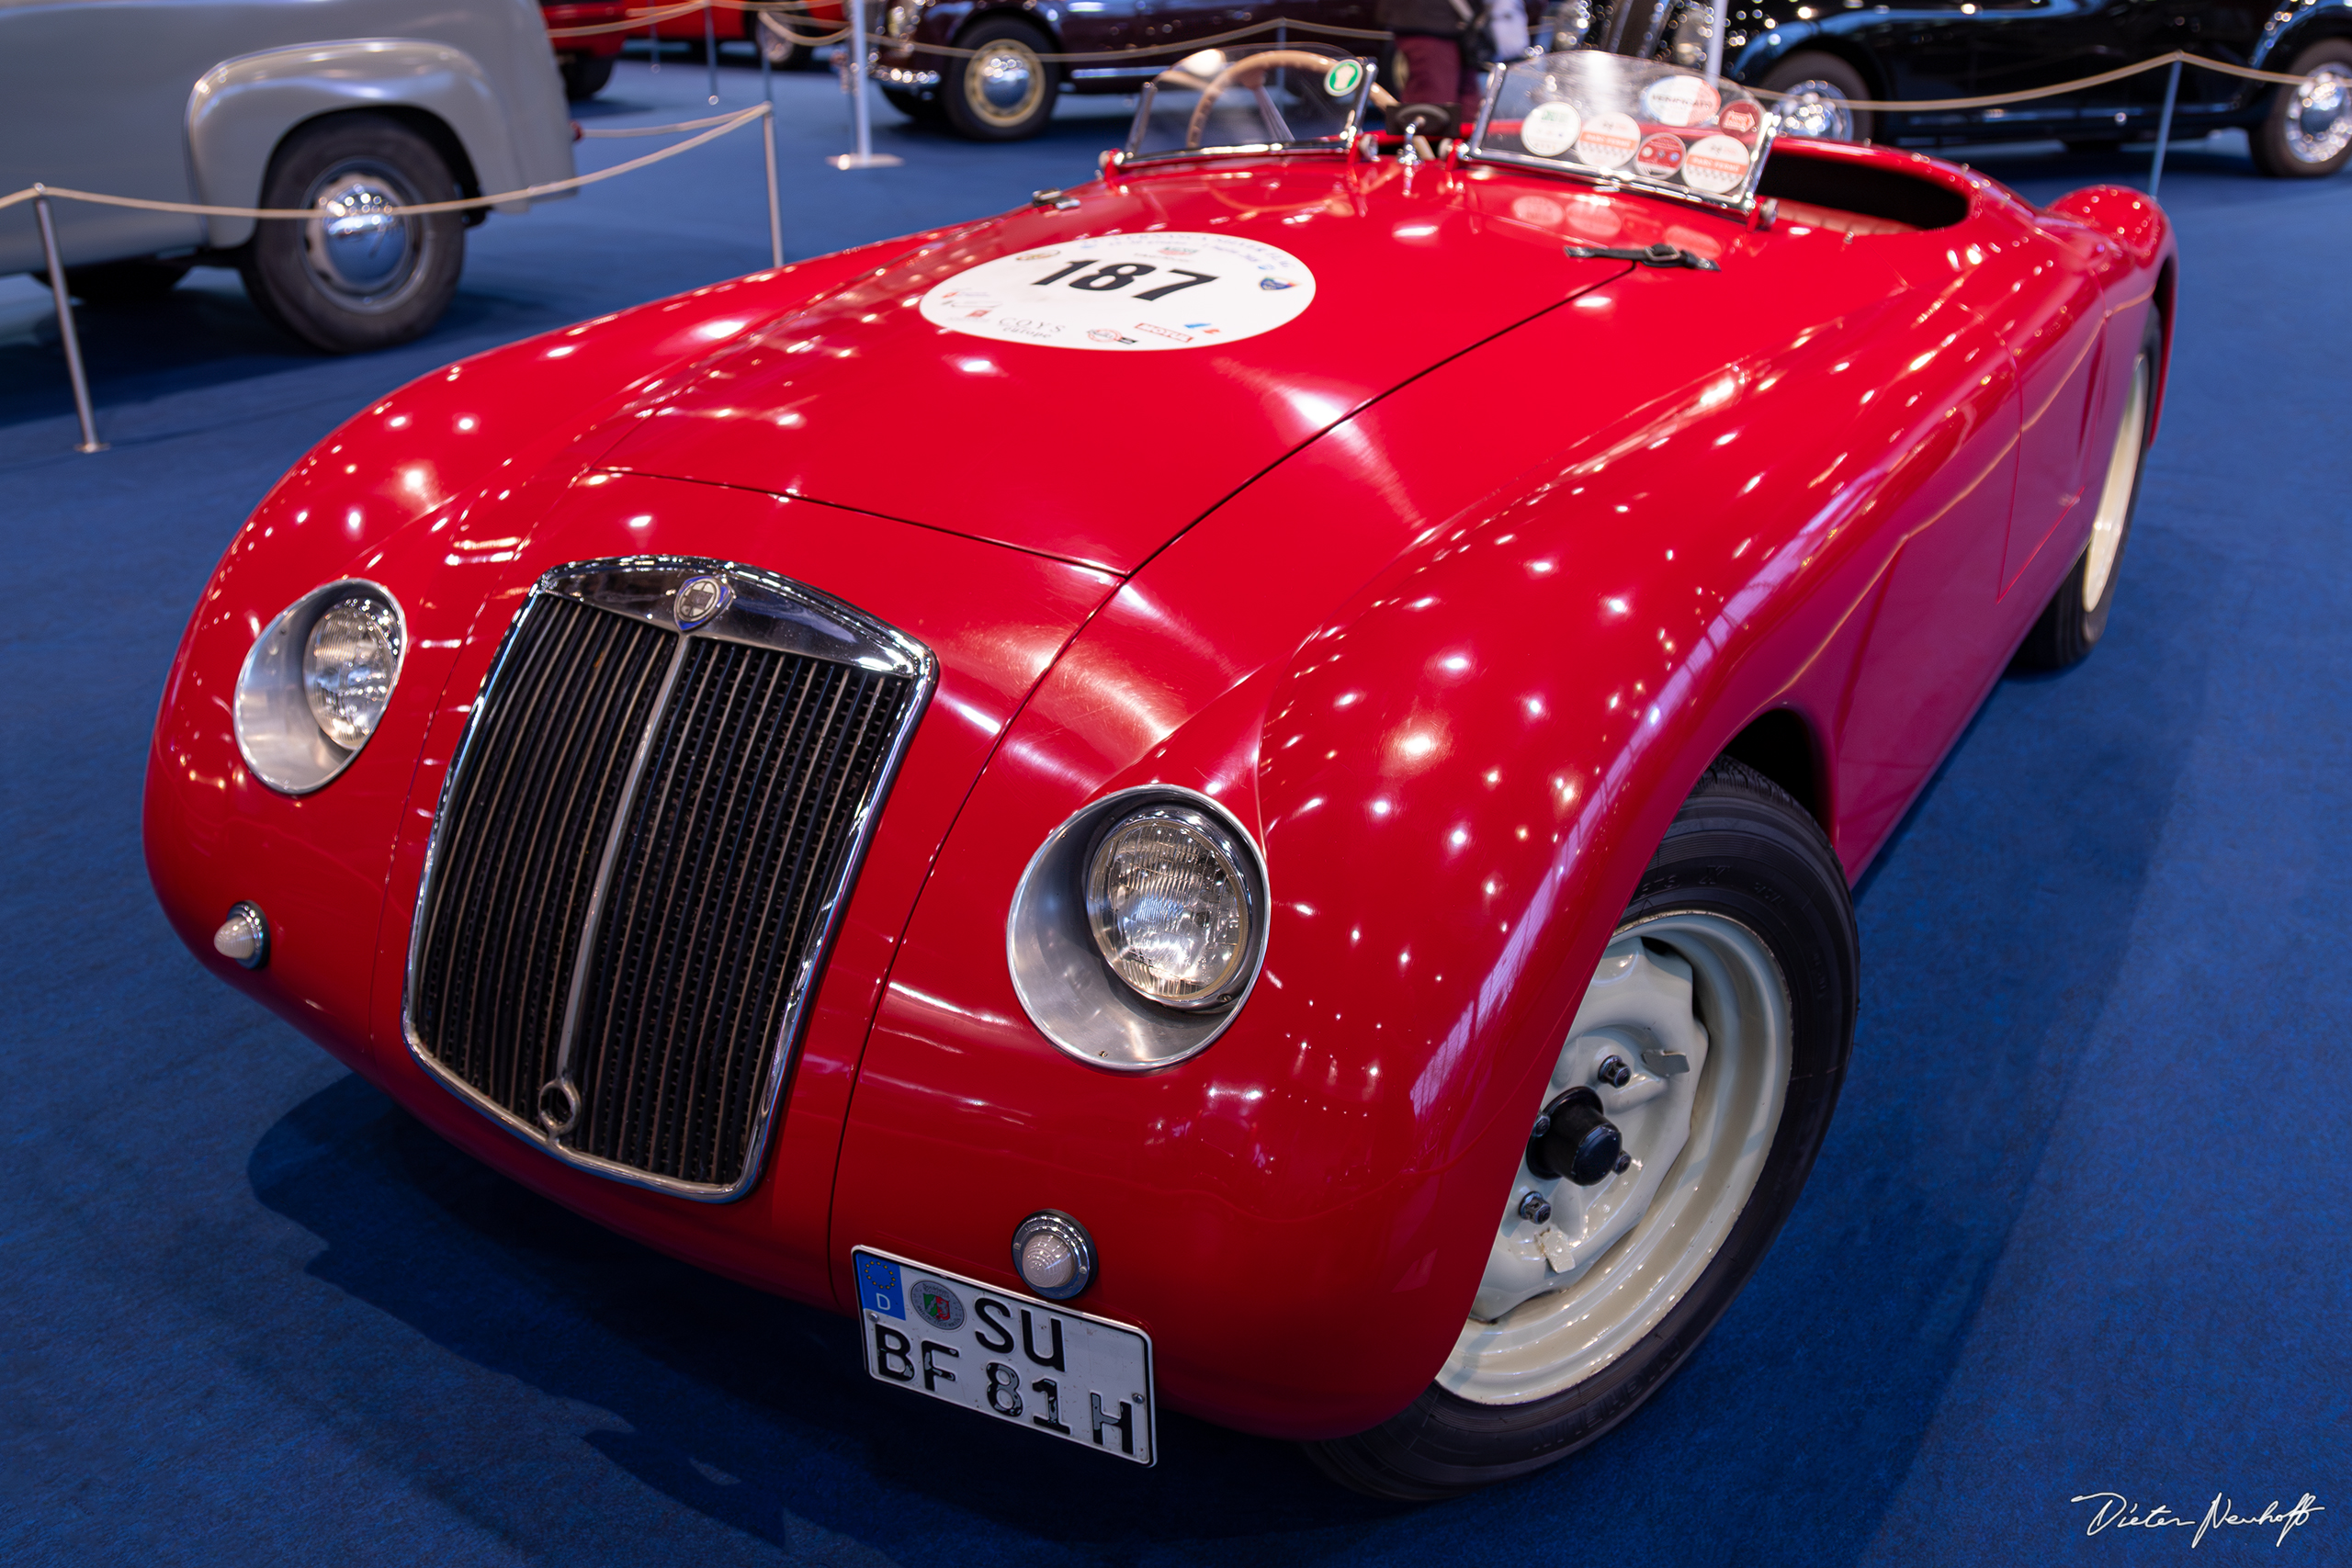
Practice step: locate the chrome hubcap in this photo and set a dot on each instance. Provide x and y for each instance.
(359, 254)
(2115, 496)
(1004, 82)
(1694, 1012)
(1817, 109)
(2319, 116)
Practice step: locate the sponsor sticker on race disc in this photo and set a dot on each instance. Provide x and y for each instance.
(1607, 140)
(1659, 155)
(1343, 78)
(1715, 164)
(1740, 117)
(1551, 128)
(1127, 293)
(1680, 100)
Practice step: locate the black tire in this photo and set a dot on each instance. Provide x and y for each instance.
(137, 282)
(1815, 66)
(914, 106)
(2068, 628)
(1742, 849)
(2282, 153)
(975, 94)
(585, 75)
(341, 296)
(2093, 146)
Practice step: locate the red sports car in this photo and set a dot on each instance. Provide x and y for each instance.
(1289, 858)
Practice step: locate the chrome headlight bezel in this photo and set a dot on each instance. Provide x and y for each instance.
(1069, 991)
(278, 735)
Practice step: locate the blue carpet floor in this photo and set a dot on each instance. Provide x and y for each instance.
(2081, 1226)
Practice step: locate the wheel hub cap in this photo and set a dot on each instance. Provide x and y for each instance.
(1005, 81)
(357, 249)
(2319, 118)
(1817, 109)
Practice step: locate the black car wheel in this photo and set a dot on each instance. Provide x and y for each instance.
(1821, 90)
(122, 282)
(1002, 91)
(2075, 618)
(2308, 132)
(585, 75)
(1735, 967)
(770, 38)
(350, 277)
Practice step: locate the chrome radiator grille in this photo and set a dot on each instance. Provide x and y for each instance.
(657, 808)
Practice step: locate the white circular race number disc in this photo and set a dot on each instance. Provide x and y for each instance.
(1127, 293)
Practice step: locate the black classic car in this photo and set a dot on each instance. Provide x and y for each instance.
(1827, 54)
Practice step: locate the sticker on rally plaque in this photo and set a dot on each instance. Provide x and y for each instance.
(1009, 1357)
(1127, 293)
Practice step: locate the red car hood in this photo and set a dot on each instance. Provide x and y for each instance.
(1101, 457)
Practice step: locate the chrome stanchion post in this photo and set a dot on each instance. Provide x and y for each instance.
(860, 90)
(767, 73)
(710, 48)
(1715, 22)
(775, 211)
(653, 41)
(90, 442)
(2164, 128)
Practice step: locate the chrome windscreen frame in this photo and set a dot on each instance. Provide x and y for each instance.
(757, 608)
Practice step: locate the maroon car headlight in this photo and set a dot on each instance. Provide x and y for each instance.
(316, 684)
(1138, 928)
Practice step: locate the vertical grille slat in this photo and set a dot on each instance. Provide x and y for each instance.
(711, 867)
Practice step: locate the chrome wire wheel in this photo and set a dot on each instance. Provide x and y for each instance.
(365, 259)
(1817, 109)
(1685, 1035)
(2319, 116)
(1004, 83)
(2115, 495)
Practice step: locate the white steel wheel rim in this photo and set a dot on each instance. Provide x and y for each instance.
(2319, 117)
(1649, 1232)
(2115, 496)
(1004, 82)
(1819, 109)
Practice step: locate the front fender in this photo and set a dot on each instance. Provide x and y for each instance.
(241, 109)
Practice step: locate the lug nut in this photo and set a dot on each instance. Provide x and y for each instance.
(1613, 1072)
(1536, 1208)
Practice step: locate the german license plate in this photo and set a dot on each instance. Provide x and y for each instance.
(1011, 1358)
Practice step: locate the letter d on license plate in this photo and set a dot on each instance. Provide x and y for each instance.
(1012, 1358)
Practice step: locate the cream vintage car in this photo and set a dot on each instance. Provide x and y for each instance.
(341, 108)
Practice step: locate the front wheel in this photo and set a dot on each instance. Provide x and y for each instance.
(350, 276)
(1004, 90)
(2075, 618)
(2308, 132)
(1681, 1117)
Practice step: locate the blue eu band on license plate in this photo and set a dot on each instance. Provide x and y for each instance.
(1011, 1358)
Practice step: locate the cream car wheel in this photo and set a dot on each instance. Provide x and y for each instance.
(1686, 1101)
(2075, 618)
(1684, 1036)
(2115, 495)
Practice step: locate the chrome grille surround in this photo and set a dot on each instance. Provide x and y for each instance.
(610, 748)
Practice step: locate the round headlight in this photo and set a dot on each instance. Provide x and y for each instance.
(1138, 929)
(316, 682)
(347, 669)
(1166, 898)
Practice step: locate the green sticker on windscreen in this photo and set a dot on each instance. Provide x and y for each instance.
(1341, 79)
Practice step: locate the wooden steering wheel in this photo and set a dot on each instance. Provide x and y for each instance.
(1250, 72)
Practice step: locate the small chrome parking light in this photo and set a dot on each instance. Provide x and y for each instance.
(1053, 1255)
